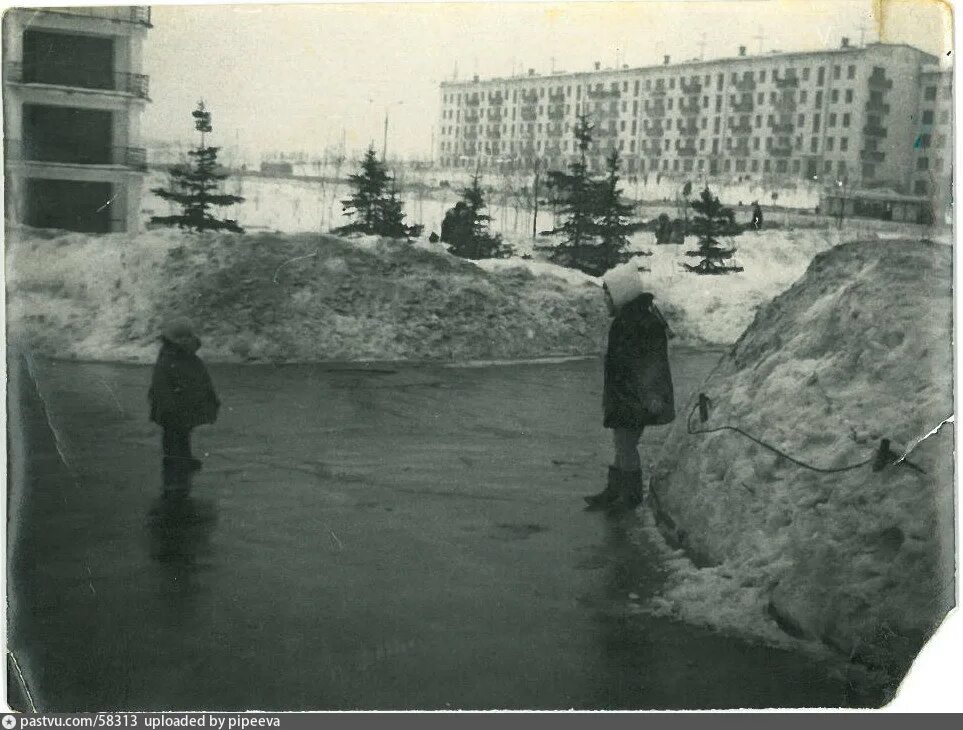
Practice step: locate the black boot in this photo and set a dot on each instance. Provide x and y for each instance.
(607, 495)
(630, 495)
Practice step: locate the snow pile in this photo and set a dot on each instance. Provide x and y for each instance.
(270, 297)
(856, 351)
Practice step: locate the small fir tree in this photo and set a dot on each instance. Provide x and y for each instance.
(370, 190)
(375, 206)
(613, 225)
(712, 220)
(390, 218)
(195, 186)
(467, 230)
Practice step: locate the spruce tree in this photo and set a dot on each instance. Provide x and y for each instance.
(370, 189)
(195, 186)
(469, 232)
(712, 220)
(576, 196)
(375, 206)
(390, 218)
(613, 226)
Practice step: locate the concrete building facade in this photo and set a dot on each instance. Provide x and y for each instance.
(73, 97)
(847, 115)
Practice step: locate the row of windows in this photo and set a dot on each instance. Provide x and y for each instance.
(662, 83)
(742, 122)
(787, 98)
(778, 143)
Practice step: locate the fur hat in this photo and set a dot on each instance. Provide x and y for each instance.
(624, 283)
(179, 332)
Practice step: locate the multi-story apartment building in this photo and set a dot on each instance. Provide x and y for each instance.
(73, 96)
(933, 163)
(848, 114)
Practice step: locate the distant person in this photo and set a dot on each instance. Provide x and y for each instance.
(756, 216)
(637, 384)
(181, 398)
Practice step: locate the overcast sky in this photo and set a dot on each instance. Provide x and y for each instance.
(291, 77)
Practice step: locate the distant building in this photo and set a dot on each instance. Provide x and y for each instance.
(882, 204)
(847, 114)
(277, 169)
(932, 175)
(73, 97)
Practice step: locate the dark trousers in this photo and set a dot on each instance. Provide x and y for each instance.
(176, 443)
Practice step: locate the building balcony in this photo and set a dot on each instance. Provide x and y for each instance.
(691, 108)
(528, 115)
(470, 134)
(602, 93)
(874, 131)
(494, 133)
(556, 98)
(655, 130)
(529, 97)
(783, 128)
(880, 82)
(740, 151)
(686, 151)
(556, 113)
(785, 105)
(741, 128)
(872, 156)
(689, 130)
(134, 158)
(472, 118)
(694, 87)
(745, 84)
(877, 106)
(496, 100)
(138, 15)
(72, 76)
(788, 82)
(472, 101)
(658, 91)
(656, 111)
(493, 116)
(743, 107)
(782, 151)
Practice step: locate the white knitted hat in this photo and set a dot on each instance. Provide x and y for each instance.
(624, 283)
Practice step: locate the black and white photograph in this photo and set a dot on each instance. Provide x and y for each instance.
(532, 356)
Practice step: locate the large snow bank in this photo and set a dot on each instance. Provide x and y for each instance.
(856, 351)
(273, 297)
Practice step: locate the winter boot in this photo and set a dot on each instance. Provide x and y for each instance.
(607, 495)
(630, 495)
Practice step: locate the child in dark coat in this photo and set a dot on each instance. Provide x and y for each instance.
(638, 384)
(181, 398)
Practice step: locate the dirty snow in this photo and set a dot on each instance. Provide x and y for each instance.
(856, 351)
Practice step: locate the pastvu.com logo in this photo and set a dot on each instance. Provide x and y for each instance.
(9, 722)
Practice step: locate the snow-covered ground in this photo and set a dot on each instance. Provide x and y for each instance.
(856, 351)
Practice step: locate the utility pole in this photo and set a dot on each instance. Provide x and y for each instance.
(384, 146)
(535, 200)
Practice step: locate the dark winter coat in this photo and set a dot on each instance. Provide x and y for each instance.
(638, 385)
(181, 392)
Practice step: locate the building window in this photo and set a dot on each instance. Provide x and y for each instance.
(761, 97)
(834, 96)
(830, 143)
(803, 96)
(921, 188)
(928, 117)
(819, 98)
(755, 143)
(816, 118)
(945, 117)
(795, 167)
(849, 96)
(821, 75)
(846, 119)
(837, 71)
(801, 120)
(765, 165)
(671, 83)
(832, 121)
(828, 167)
(762, 76)
(758, 121)
(929, 93)
(851, 72)
(843, 144)
(814, 144)
(923, 163)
